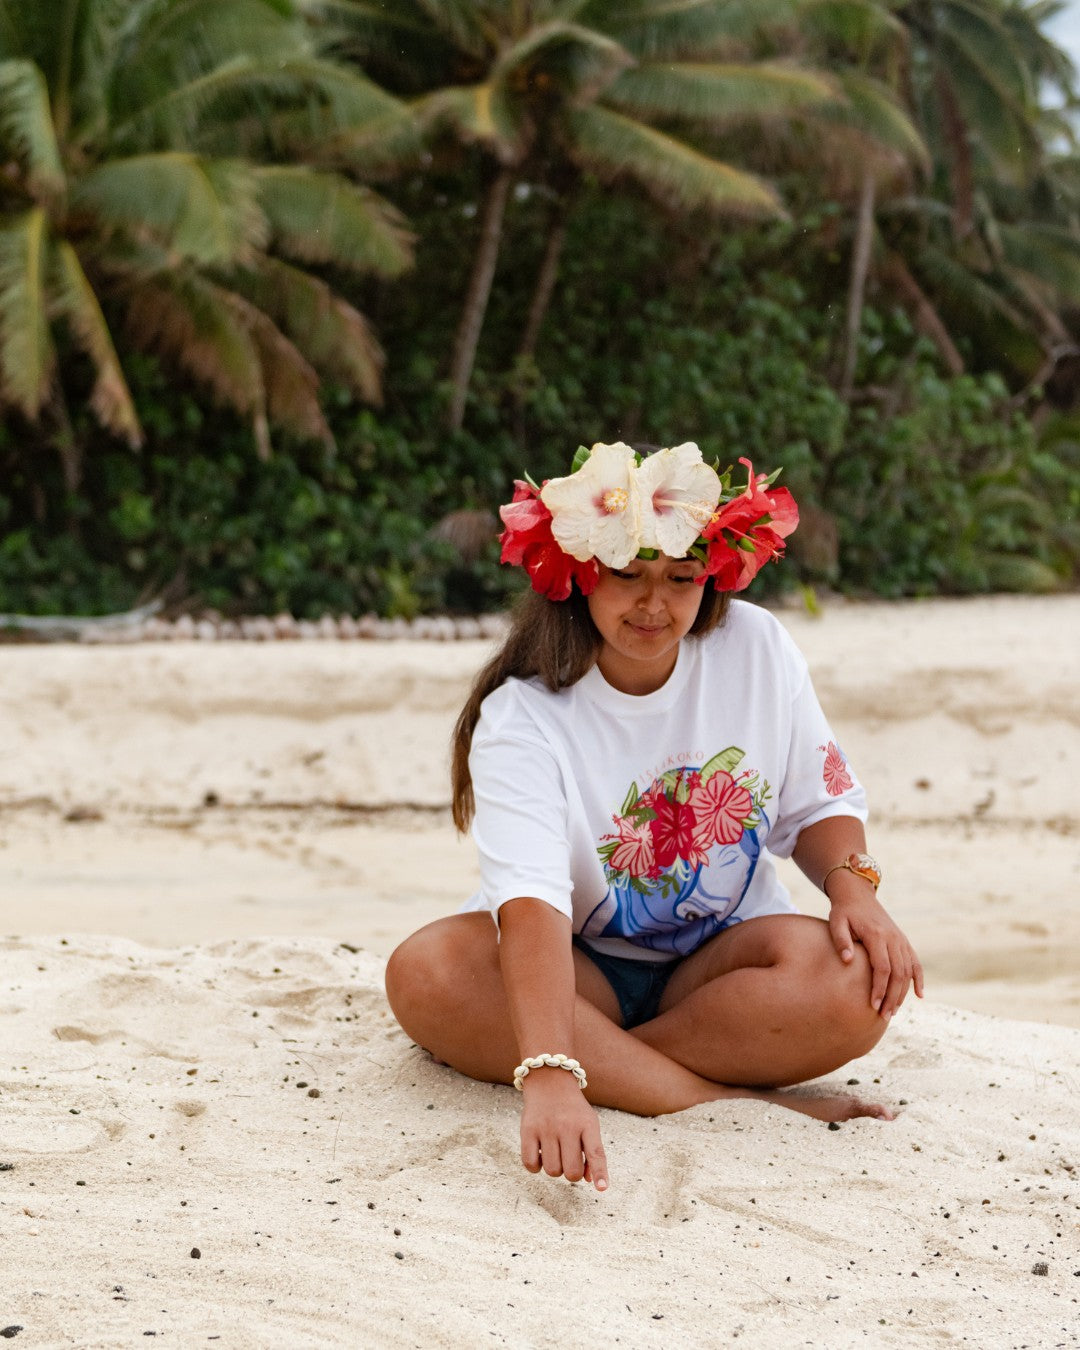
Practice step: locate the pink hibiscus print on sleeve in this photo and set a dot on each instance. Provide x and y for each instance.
(835, 772)
(720, 807)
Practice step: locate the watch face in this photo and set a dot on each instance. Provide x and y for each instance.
(865, 866)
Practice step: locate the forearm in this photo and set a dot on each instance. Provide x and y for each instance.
(828, 842)
(536, 958)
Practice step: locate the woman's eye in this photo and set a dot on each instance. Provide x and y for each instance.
(625, 576)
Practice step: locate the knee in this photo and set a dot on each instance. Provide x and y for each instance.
(424, 978)
(847, 1004)
(409, 974)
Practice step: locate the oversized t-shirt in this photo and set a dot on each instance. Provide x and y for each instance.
(651, 820)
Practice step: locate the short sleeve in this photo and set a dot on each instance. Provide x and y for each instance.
(520, 826)
(818, 781)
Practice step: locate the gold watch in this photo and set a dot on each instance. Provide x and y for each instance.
(861, 864)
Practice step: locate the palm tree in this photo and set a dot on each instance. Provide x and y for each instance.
(958, 244)
(990, 250)
(974, 79)
(139, 204)
(552, 89)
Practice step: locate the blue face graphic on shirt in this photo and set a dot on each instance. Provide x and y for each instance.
(684, 857)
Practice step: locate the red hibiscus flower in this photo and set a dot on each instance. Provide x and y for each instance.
(748, 531)
(721, 806)
(835, 773)
(634, 851)
(672, 831)
(527, 541)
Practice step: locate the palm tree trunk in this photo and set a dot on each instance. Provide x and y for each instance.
(925, 316)
(545, 282)
(860, 267)
(467, 336)
(961, 166)
(68, 449)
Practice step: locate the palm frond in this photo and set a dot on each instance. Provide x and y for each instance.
(182, 114)
(110, 399)
(322, 218)
(192, 324)
(871, 110)
(462, 22)
(26, 127)
(578, 61)
(862, 27)
(399, 39)
(667, 30)
(380, 146)
(478, 113)
(1048, 254)
(992, 112)
(291, 383)
(611, 145)
(206, 210)
(99, 28)
(27, 357)
(1042, 56)
(334, 337)
(966, 292)
(717, 93)
(168, 46)
(974, 27)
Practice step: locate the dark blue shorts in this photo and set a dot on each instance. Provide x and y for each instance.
(639, 985)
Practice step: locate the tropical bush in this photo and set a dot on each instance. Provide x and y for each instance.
(930, 483)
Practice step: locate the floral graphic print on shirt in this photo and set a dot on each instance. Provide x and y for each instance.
(682, 856)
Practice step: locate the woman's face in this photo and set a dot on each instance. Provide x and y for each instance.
(643, 612)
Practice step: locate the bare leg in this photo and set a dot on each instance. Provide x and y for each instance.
(445, 987)
(767, 1001)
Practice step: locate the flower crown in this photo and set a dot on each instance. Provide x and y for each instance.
(615, 505)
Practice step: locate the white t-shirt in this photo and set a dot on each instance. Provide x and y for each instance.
(650, 820)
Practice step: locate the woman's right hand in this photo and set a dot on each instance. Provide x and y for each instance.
(560, 1132)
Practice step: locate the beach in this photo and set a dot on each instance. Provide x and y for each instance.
(210, 848)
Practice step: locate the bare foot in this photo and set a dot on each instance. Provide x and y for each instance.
(840, 1107)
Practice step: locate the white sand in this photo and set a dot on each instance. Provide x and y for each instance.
(164, 1075)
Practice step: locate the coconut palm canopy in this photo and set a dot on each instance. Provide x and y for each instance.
(624, 91)
(147, 200)
(994, 242)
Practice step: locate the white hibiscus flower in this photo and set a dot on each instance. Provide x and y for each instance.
(679, 492)
(596, 512)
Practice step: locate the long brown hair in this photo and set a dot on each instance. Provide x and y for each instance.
(556, 641)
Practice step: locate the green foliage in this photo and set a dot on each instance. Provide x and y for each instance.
(951, 495)
(935, 484)
(150, 171)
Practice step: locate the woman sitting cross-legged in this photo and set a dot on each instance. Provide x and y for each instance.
(631, 760)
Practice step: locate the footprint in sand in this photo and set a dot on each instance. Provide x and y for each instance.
(81, 1034)
(916, 1059)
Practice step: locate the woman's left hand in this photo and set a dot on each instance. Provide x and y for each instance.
(858, 916)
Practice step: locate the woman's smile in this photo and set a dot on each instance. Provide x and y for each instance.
(643, 611)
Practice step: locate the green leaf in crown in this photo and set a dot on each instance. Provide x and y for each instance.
(581, 456)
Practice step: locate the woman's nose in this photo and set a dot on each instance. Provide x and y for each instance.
(651, 600)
